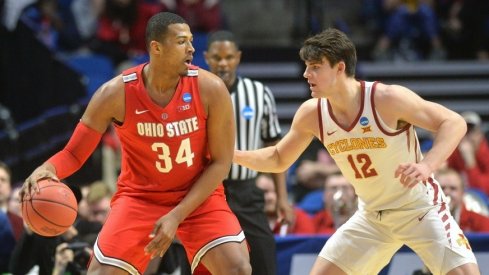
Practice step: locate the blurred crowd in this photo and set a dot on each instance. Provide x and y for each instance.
(429, 29)
(398, 29)
(114, 28)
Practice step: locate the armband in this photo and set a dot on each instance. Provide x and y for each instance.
(78, 149)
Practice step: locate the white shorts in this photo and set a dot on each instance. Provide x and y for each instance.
(366, 243)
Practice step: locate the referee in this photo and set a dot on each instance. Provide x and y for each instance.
(257, 126)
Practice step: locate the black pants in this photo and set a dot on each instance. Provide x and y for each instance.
(247, 201)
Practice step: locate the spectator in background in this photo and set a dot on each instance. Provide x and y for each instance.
(465, 28)
(453, 186)
(111, 158)
(313, 167)
(340, 203)
(98, 205)
(471, 157)
(121, 28)
(410, 32)
(10, 12)
(14, 205)
(83, 211)
(202, 15)
(11, 225)
(7, 240)
(302, 224)
(85, 15)
(54, 24)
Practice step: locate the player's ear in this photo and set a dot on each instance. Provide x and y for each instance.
(341, 67)
(155, 47)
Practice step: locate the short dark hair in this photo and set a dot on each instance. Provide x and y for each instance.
(221, 36)
(158, 25)
(332, 44)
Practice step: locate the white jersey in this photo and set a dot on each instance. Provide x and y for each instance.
(368, 154)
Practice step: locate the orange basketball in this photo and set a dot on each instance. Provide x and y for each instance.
(51, 211)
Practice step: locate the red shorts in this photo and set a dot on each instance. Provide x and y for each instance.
(122, 240)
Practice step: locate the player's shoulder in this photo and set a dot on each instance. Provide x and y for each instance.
(111, 89)
(389, 92)
(211, 87)
(310, 105)
(306, 118)
(209, 81)
(308, 109)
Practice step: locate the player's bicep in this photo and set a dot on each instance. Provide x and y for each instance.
(300, 135)
(428, 115)
(405, 105)
(106, 105)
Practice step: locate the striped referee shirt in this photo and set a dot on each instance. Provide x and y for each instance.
(255, 113)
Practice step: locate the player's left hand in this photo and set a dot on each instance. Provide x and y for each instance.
(162, 235)
(413, 173)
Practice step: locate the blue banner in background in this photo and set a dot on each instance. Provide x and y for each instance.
(296, 254)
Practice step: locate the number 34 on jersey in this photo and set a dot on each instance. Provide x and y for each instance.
(164, 164)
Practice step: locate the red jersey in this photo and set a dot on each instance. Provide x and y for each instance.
(323, 222)
(128, 37)
(472, 221)
(302, 225)
(164, 149)
(477, 176)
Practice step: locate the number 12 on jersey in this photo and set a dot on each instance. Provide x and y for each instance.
(364, 162)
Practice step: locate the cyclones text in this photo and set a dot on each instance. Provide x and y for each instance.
(350, 144)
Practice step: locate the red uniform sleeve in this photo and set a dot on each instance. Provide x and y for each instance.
(80, 146)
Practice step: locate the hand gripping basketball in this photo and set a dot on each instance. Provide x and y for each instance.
(30, 184)
(51, 210)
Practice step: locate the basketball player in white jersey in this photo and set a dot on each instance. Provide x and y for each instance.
(368, 128)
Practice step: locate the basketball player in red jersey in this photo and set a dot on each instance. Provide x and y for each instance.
(170, 117)
(368, 129)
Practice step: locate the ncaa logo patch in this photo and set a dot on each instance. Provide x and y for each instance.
(363, 121)
(247, 112)
(187, 97)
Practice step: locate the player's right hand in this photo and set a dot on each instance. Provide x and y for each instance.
(30, 184)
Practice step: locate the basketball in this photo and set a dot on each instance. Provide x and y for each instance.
(51, 211)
